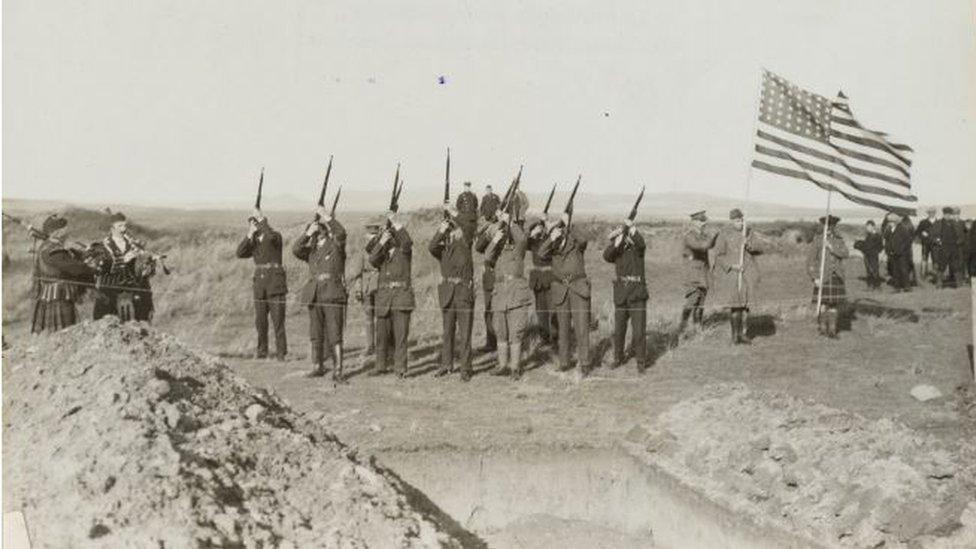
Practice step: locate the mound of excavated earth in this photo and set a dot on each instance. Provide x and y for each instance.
(831, 476)
(116, 436)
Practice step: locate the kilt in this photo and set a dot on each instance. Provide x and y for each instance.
(834, 291)
(53, 315)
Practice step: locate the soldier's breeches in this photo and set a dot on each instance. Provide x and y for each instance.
(543, 312)
(510, 325)
(275, 308)
(490, 337)
(325, 322)
(695, 298)
(573, 315)
(392, 334)
(369, 308)
(636, 314)
(457, 331)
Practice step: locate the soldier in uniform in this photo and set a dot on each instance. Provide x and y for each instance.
(540, 279)
(924, 235)
(264, 245)
(738, 271)
(467, 211)
(570, 292)
(489, 204)
(698, 272)
(366, 276)
(392, 254)
(59, 277)
(625, 250)
(455, 293)
(323, 247)
(504, 244)
(870, 247)
(124, 269)
(834, 290)
(488, 287)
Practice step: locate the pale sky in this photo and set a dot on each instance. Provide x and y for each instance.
(157, 102)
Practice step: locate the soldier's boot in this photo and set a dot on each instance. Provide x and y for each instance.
(822, 321)
(318, 362)
(744, 328)
(516, 362)
(832, 323)
(337, 373)
(501, 368)
(685, 315)
(698, 318)
(734, 325)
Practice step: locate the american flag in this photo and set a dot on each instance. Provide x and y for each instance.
(807, 136)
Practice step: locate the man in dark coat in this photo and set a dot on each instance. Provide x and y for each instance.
(392, 254)
(924, 235)
(455, 293)
(540, 280)
(489, 204)
(123, 268)
(59, 278)
(951, 233)
(626, 251)
(899, 252)
(870, 248)
(264, 245)
(696, 243)
(570, 293)
(323, 247)
(467, 211)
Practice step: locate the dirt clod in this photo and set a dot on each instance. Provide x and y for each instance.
(173, 463)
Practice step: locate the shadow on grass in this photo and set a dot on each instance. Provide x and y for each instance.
(872, 307)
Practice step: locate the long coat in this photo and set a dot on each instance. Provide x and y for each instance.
(453, 252)
(728, 246)
(394, 259)
(510, 288)
(696, 268)
(568, 266)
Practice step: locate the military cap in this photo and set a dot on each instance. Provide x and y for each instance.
(833, 219)
(947, 210)
(699, 216)
(52, 223)
(735, 213)
(116, 217)
(467, 183)
(957, 210)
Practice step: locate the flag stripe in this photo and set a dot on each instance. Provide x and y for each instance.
(833, 158)
(800, 174)
(868, 142)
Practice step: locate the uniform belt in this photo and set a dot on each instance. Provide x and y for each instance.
(267, 266)
(395, 284)
(506, 277)
(456, 280)
(630, 278)
(327, 276)
(542, 268)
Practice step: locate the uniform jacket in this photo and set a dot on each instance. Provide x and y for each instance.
(924, 231)
(628, 261)
(57, 272)
(325, 253)
(834, 264)
(510, 288)
(467, 206)
(489, 206)
(568, 268)
(728, 246)
(871, 246)
(393, 259)
(265, 248)
(365, 274)
(540, 275)
(697, 269)
(457, 269)
(481, 241)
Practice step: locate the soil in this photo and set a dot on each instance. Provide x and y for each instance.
(116, 436)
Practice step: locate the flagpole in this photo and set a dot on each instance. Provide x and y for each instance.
(823, 254)
(755, 129)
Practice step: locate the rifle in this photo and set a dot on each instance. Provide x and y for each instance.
(447, 185)
(633, 210)
(395, 195)
(552, 193)
(325, 185)
(511, 193)
(335, 202)
(572, 198)
(257, 201)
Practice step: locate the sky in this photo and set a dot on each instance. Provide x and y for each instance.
(174, 102)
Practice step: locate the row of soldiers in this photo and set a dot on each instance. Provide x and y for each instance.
(554, 283)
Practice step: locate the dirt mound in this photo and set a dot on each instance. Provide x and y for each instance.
(833, 476)
(116, 436)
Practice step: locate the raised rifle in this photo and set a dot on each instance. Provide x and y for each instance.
(257, 200)
(447, 185)
(552, 193)
(572, 198)
(325, 186)
(633, 210)
(335, 202)
(395, 195)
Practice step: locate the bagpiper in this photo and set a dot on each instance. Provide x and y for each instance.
(625, 249)
(738, 272)
(264, 245)
(59, 278)
(455, 292)
(834, 291)
(124, 268)
(323, 247)
(696, 243)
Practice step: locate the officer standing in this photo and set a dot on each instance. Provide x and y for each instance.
(455, 292)
(570, 292)
(504, 245)
(264, 244)
(738, 271)
(467, 211)
(540, 280)
(59, 277)
(924, 235)
(625, 250)
(697, 270)
(392, 254)
(323, 247)
(489, 204)
(366, 277)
